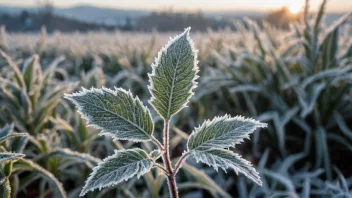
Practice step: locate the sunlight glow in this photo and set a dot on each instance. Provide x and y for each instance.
(295, 7)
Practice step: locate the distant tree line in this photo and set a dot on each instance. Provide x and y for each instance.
(172, 21)
(166, 20)
(169, 20)
(34, 21)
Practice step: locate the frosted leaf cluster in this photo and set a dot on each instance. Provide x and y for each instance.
(209, 142)
(118, 114)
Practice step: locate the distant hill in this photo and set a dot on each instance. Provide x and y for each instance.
(86, 13)
(99, 15)
(119, 17)
(111, 16)
(17, 19)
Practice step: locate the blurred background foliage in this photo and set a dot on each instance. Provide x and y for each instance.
(298, 79)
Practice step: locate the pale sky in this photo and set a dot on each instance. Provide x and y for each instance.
(189, 5)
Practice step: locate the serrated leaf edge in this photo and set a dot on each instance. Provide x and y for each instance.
(157, 61)
(229, 166)
(227, 117)
(112, 183)
(87, 117)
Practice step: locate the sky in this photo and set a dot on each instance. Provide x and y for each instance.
(190, 5)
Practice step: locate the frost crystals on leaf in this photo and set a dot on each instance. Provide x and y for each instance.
(5, 157)
(226, 159)
(222, 132)
(116, 112)
(173, 77)
(123, 165)
(155, 154)
(208, 144)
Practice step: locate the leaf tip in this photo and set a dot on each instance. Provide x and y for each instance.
(187, 30)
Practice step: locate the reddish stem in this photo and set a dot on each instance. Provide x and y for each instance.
(167, 162)
(169, 171)
(156, 141)
(179, 162)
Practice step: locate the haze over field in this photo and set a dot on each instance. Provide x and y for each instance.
(205, 5)
(117, 13)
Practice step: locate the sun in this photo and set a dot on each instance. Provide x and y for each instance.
(295, 7)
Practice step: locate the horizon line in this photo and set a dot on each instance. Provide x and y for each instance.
(162, 8)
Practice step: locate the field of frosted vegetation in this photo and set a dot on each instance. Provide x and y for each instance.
(299, 81)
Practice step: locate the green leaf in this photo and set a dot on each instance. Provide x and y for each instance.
(319, 18)
(14, 67)
(155, 154)
(64, 153)
(5, 157)
(116, 112)
(29, 71)
(173, 77)
(308, 99)
(6, 130)
(226, 159)
(207, 144)
(123, 165)
(222, 132)
(6, 189)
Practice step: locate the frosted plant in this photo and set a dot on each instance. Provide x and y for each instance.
(120, 115)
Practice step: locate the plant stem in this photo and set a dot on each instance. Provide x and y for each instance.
(169, 171)
(156, 141)
(167, 162)
(172, 186)
(161, 168)
(179, 162)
